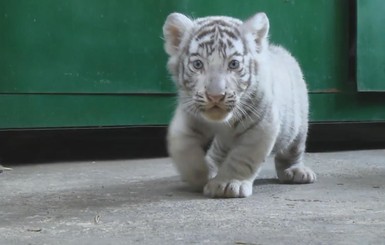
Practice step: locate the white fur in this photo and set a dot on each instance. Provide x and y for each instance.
(231, 164)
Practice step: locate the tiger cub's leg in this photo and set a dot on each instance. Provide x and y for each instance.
(186, 149)
(289, 165)
(215, 156)
(189, 159)
(236, 174)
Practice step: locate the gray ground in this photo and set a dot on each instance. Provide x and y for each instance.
(143, 202)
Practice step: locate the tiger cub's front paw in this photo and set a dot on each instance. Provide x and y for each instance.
(297, 175)
(228, 188)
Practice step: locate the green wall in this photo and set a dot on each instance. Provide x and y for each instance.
(370, 45)
(101, 62)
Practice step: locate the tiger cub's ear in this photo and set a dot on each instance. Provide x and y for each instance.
(258, 26)
(174, 29)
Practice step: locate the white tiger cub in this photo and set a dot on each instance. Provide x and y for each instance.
(240, 94)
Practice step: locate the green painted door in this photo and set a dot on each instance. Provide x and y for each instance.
(95, 63)
(370, 45)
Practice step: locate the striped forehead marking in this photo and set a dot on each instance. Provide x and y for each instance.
(216, 35)
(219, 27)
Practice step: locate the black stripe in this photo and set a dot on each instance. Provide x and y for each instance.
(255, 70)
(236, 53)
(194, 54)
(229, 43)
(204, 33)
(250, 73)
(244, 46)
(210, 24)
(222, 48)
(209, 46)
(229, 33)
(220, 23)
(181, 69)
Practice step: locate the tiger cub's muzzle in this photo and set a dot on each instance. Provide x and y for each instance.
(217, 107)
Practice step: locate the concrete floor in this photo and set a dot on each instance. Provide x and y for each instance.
(143, 202)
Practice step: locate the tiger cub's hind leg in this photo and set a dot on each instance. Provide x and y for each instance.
(289, 165)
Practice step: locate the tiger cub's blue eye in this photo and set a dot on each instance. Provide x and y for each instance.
(234, 64)
(198, 64)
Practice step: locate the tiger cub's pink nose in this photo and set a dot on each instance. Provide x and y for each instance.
(216, 98)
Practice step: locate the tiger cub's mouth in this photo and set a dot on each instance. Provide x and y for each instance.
(216, 113)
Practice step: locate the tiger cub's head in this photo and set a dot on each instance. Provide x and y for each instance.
(214, 61)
